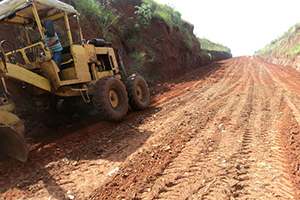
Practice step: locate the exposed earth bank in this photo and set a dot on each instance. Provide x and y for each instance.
(285, 49)
(226, 131)
(157, 51)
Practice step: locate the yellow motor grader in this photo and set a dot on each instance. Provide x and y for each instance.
(89, 72)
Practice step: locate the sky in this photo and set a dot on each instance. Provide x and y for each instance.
(245, 26)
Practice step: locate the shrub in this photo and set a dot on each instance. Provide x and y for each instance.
(206, 44)
(153, 78)
(283, 45)
(206, 54)
(150, 54)
(294, 51)
(138, 63)
(97, 11)
(188, 44)
(165, 13)
(144, 16)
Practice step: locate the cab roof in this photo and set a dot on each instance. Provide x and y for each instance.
(20, 11)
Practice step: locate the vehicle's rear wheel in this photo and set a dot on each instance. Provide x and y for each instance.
(110, 98)
(138, 92)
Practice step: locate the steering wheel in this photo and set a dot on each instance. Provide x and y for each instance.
(11, 46)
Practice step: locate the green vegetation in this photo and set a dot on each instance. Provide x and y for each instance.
(144, 16)
(102, 14)
(165, 13)
(207, 47)
(153, 78)
(271, 47)
(97, 11)
(139, 60)
(206, 54)
(285, 45)
(206, 44)
(294, 51)
(188, 44)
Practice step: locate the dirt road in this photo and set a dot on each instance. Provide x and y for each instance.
(226, 131)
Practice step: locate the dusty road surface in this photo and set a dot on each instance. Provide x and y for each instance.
(226, 131)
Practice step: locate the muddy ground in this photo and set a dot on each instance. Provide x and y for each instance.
(226, 131)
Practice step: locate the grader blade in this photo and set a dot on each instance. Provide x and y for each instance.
(12, 141)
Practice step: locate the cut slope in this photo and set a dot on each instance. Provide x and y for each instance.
(284, 50)
(153, 38)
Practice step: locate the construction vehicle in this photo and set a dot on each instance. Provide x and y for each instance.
(89, 72)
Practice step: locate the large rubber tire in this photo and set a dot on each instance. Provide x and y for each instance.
(138, 92)
(59, 112)
(110, 99)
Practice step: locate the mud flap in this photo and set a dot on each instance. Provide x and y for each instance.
(12, 141)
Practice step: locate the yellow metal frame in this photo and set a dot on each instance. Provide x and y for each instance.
(22, 74)
(83, 60)
(68, 29)
(9, 107)
(68, 9)
(38, 21)
(80, 30)
(14, 6)
(54, 5)
(27, 36)
(54, 17)
(22, 51)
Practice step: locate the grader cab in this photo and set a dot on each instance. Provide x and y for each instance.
(89, 72)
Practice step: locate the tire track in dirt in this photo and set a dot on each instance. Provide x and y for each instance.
(235, 180)
(262, 139)
(209, 114)
(291, 98)
(229, 178)
(230, 151)
(267, 131)
(194, 153)
(222, 136)
(270, 98)
(288, 104)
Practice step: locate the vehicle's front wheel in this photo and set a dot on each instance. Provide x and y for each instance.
(110, 98)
